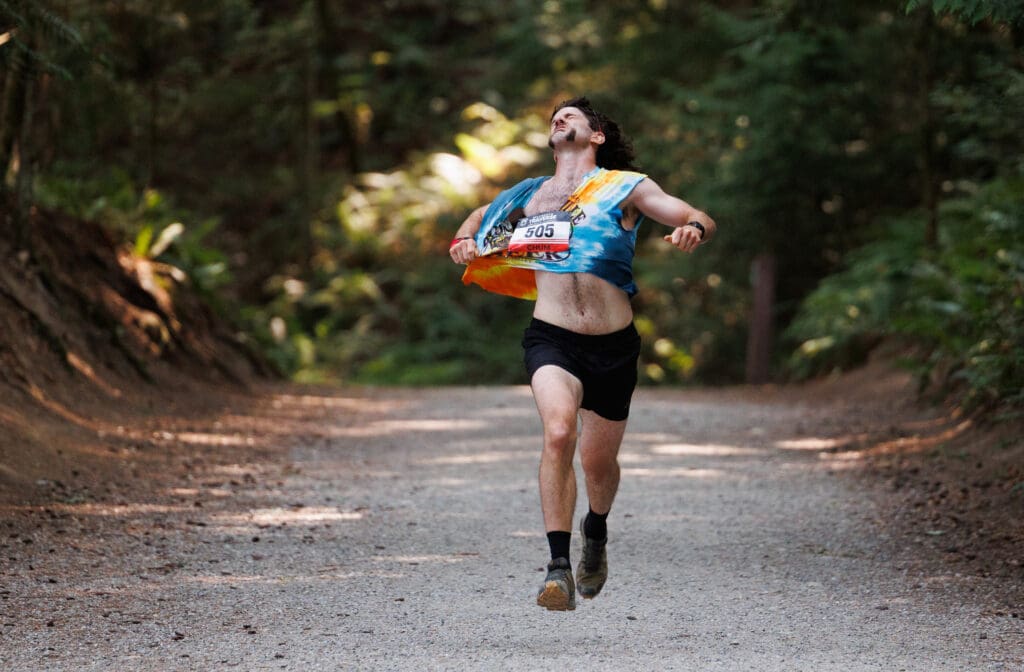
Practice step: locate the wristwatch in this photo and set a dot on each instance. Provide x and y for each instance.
(699, 227)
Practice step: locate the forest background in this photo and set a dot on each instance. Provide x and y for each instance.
(304, 164)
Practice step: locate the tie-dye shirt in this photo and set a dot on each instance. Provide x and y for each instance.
(596, 241)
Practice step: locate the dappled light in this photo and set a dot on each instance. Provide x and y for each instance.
(230, 580)
(629, 457)
(525, 534)
(252, 418)
(391, 427)
(812, 443)
(674, 472)
(323, 502)
(507, 412)
(449, 482)
(425, 559)
(211, 439)
(200, 492)
(86, 370)
(485, 457)
(65, 412)
(106, 510)
(290, 516)
(911, 437)
(361, 404)
(707, 450)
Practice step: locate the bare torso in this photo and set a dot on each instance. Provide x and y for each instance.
(580, 302)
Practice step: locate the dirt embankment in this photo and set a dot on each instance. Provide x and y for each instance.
(90, 337)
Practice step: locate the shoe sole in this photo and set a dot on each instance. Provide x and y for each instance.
(553, 598)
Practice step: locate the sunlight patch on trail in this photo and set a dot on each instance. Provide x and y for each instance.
(99, 509)
(659, 472)
(386, 427)
(810, 444)
(480, 458)
(210, 439)
(424, 559)
(280, 516)
(348, 403)
(704, 450)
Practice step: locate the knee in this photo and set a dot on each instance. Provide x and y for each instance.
(560, 437)
(598, 463)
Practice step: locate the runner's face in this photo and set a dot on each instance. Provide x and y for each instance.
(567, 124)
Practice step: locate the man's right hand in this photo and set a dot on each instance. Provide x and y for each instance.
(463, 251)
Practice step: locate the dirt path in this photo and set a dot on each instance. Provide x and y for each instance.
(400, 530)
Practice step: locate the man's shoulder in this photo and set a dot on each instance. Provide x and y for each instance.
(627, 174)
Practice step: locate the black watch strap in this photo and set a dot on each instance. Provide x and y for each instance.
(699, 227)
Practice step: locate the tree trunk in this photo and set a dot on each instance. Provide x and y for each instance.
(10, 123)
(15, 162)
(759, 340)
(926, 159)
(309, 151)
(330, 44)
(23, 186)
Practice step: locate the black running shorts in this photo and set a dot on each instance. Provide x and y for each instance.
(605, 364)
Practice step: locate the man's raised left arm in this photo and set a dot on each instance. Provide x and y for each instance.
(692, 226)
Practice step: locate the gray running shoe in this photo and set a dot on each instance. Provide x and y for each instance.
(592, 570)
(558, 592)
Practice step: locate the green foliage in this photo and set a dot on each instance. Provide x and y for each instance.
(155, 227)
(320, 145)
(34, 37)
(384, 303)
(365, 317)
(851, 311)
(962, 307)
(973, 11)
(689, 315)
(983, 134)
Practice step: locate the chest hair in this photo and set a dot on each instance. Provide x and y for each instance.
(550, 197)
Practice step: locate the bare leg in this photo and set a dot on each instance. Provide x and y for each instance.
(558, 395)
(599, 455)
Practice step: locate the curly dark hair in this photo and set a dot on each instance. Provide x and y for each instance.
(617, 151)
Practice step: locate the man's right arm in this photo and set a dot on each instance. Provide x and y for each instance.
(464, 251)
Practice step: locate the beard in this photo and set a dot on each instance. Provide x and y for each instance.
(570, 136)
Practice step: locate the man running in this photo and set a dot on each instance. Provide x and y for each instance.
(567, 241)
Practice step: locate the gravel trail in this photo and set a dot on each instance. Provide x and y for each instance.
(401, 530)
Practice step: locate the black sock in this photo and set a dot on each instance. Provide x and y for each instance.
(559, 543)
(595, 525)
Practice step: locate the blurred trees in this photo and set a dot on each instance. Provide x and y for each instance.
(318, 153)
(34, 44)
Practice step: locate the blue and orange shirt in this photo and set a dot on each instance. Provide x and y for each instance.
(584, 236)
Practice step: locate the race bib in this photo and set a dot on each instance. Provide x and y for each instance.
(546, 232)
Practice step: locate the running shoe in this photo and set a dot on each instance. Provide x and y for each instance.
(558, 592)
(592, 570)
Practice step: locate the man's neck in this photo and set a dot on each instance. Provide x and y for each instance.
(571, 166)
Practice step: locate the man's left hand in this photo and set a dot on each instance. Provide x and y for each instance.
(686, 238)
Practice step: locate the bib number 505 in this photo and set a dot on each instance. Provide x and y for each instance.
(542, 231)
(546, 232)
